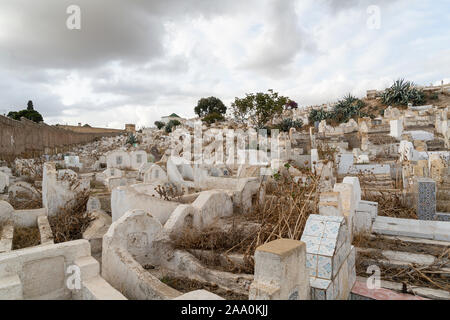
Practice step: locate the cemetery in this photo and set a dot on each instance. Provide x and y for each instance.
(358, 210)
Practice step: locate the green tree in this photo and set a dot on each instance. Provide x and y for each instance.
(28, 113)
(213, 117)
(206, 106)
(260, 107)
(159, 124)
(171, 125)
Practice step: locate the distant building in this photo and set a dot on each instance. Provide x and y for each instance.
(173, 116)
(131, 128)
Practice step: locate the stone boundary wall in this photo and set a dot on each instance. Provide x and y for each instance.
(28, 139)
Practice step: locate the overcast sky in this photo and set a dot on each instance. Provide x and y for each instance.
(135, 61)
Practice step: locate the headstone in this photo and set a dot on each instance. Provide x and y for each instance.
(4, 182)
(396, 128)
(330, 257)
(354, 181)
(280, 271)
(93, 204)
(72, 161)
(426, 199)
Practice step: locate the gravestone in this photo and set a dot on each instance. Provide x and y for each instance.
(396, 128)
(280, 271)
(426, 199)
(93, 204)
(4, 182)
(330, 257)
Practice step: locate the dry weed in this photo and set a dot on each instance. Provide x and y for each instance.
(26, 237)
(70, 223)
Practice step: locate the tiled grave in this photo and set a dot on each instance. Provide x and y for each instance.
(330, 257)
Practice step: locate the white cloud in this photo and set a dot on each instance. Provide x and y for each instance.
(138, 61)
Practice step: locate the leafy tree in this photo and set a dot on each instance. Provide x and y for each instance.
(260, 107)
(28, 113)
(160, 124)
(171, 125)
(206, 106)
(213, 117)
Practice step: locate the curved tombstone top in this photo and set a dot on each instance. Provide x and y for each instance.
(135, 232)
(155, 174)
(178, 169)
(138, 158)
(327, 245)
(6, 211)
(22, 188)
(144, 168)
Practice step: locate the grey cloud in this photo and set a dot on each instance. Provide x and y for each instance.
(283, 41)
(131, 31)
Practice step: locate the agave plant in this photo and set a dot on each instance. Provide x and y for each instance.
(131, 139)
(403, 92)
(286, 124)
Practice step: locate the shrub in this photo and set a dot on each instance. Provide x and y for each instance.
(160, 124)
(291, 105)
(131, 139)
(403, 92)
(171, 125)
(345, 109)
(288, 123)
(213, 117)
(318, 115)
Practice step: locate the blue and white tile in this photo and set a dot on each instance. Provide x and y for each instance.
(312, 244)
(332, 230)
(324, 267)
(314, 228)
(327, 247)
(311, 264)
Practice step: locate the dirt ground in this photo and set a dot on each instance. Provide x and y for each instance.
(435, 276)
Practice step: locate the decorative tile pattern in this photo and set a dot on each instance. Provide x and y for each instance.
(312, 244)
(321, 289)
(331, 230)
(328, 248)
(324, 267)
(314, 228)
(311, 264)
(426, 199)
